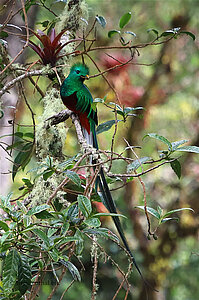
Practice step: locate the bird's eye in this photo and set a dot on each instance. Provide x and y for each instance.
(77, 71)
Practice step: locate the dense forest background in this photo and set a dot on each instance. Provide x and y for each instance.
(163, 79)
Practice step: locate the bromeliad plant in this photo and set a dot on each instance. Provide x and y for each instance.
(49, 52)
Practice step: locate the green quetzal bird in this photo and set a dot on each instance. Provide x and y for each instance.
(77, 97)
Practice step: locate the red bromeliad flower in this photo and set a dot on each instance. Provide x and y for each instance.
(51, 46)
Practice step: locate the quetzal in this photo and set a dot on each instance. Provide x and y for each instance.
(77, 97)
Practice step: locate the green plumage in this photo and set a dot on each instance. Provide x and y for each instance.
(76, 96)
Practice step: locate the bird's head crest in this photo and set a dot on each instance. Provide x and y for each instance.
(80, 70)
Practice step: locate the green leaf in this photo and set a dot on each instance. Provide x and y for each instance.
(42, 236)
(4, 226)
(72, 269)
(84, 205)
(4, 237)
(27, 182)
(160, 210)
(65, 240)
(137, 163)
(101, 20)
(130, 32)
(3, 34)
(151, 211)
(65, 228)
(113, 32)
(15, 145)
(130, 109)
(193, 149)
(51, 231)
(29, 134)
(176, 144)
(153, 30)
(6, 201)
(169, 219)
(98, 100)
(47, 174)
(72, 213)
(37, 209)
(10, 270)
(44, 215)
(105, 126)
(103, 232)
(22, 159)
(80, 243)
(188, 33)
(24, 276)
(1, 113)
(177, 210)
(19, 134)
(124, 20)
(74, 177)
(54, 254)
(176, 166)
(92, 222)
(160, 138)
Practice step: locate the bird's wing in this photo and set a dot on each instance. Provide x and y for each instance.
(84, 103)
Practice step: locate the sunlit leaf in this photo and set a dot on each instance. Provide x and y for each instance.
(169, 219)
(4, 226)
(37, 209)
(151, 211)
(113, 32)
(105, 126)
(42, 236)
(176, 144)
(92, 222)
(160, 138)
(84, 205)
(124, 19)
(72, 269)
(131, 33)
(137, 163)
(101, 20)
(73, 176)
(193, 149)
(177, 210)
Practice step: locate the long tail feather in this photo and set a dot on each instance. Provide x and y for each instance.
(110, 205)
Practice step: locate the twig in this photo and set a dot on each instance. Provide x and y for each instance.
(94, 289)
(109, 84)
(113, 262)
(27, 39)
(113, 139)
(25, 75)
(62, 296)
(142, 173)
(57, 284)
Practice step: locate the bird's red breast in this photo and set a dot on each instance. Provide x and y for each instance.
(70, 102)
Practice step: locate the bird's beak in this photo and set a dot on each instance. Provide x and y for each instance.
(85, 77)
